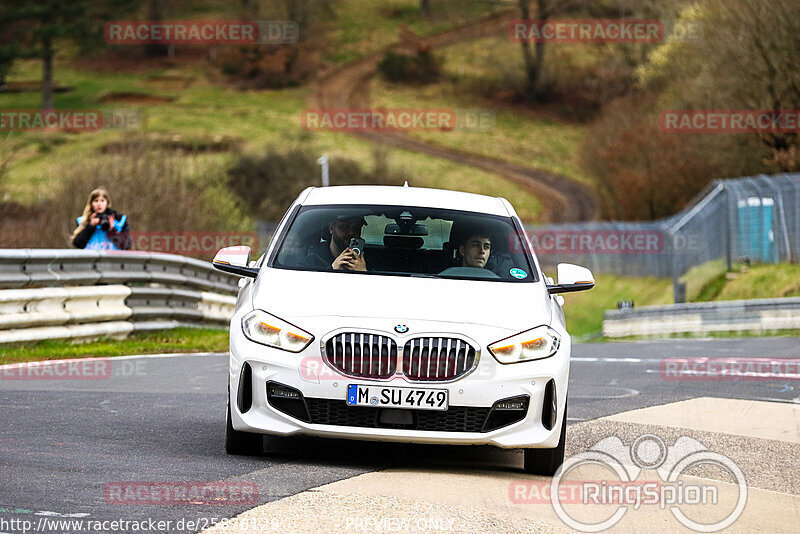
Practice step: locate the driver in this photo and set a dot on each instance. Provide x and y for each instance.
(476, 250)
(335, 254)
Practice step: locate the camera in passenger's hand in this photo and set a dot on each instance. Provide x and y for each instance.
(357, 245)
(104, 223)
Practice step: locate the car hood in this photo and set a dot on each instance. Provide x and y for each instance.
(294, 294)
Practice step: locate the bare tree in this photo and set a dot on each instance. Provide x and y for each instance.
(748, 57)
(425, 7)
(534, 59)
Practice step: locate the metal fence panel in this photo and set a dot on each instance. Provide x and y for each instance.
(754, 219)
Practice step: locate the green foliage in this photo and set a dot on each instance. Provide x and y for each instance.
(755, 281)
(422, 68)
(584, 310)
(160, 191)
(270, 182)
(643, 172)
(747, 56)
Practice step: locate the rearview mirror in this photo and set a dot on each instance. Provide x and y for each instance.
(408, 229)
(571, 278)
(234, 260)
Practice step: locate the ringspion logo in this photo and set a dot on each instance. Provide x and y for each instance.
(700, 504)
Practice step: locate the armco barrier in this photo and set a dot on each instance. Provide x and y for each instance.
(22, 268)
(52, 306)
(87, 294)
(756, 315)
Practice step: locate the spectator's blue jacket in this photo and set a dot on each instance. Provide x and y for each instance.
(98, 239)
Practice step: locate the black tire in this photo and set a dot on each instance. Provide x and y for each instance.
(241, 443)
(545, 462)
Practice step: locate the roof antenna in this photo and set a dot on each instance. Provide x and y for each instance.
(405, 184)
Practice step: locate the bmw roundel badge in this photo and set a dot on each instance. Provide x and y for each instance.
(401, 329)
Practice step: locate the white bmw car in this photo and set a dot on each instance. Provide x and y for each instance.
(400, 314)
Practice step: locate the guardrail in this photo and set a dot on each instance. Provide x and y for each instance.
(755, 315)
(80, 294)
(21, 268)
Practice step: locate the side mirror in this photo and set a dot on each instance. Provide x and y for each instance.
(571, 278)
(235, 260)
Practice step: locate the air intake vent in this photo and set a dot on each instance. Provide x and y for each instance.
(549, 406)
(244, 399)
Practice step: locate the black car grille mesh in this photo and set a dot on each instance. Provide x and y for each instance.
(454, 419)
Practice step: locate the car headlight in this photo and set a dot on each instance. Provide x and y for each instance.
(264, 328)
(534, 344)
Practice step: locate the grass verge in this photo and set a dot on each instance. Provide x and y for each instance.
(584, 310)
(175, 340)
(254, 118)
(517, 136)
(756, 281)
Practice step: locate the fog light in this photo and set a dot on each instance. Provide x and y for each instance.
(506, 412)
(287, 400)
(510, 405)
(283, 393)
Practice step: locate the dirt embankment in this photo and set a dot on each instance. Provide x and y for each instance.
(347, 86)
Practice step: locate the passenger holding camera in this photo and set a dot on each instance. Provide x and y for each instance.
(345, 250)
(100, 227)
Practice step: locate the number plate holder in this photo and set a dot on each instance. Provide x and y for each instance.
(395, 397)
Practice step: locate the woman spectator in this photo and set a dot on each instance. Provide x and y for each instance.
(100, 227)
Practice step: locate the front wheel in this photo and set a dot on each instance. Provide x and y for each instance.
(241, 443)
(545, 462)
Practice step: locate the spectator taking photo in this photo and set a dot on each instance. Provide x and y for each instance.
(100, 227)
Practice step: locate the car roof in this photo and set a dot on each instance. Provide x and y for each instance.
(405, 196)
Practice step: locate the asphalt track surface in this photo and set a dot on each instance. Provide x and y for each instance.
(162, 419)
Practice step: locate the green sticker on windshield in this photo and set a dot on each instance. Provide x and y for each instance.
(518, 273)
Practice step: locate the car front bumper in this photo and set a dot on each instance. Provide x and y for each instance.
(469, 397)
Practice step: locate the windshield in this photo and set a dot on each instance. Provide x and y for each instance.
(405, 241)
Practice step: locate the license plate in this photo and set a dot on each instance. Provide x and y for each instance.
(391, 397)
